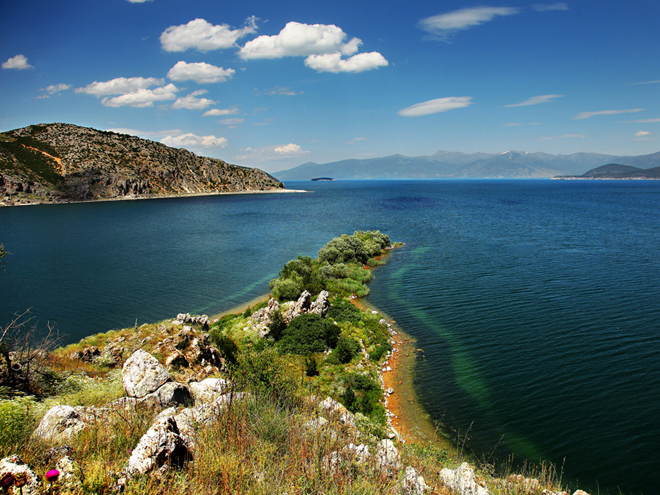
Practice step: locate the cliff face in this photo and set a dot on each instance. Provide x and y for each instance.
(54, 163)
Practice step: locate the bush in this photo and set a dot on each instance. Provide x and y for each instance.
(286, 289)
(367, 395)
(264, 373)
(380, 350)
(277, 325)
(311, 366)
(227, 347)
(342, 310)
(347, 348)
(307, 334)
(16, 424)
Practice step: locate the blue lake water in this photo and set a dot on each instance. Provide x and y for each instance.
(536, 302)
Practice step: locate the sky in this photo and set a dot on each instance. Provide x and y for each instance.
(276, 84)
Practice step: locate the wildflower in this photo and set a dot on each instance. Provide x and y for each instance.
(52, 475)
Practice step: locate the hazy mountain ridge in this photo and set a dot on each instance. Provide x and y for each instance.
(618, 171)
(450, 164)
(52, 163)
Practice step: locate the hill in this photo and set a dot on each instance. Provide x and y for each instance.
(614, 171)
(450, 164)
(54, 163)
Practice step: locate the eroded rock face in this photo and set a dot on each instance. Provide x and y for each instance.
(264, 317)
(142, 374)
(333, 407)
(15, 466)
(463, 480)
(321, 305)
(161, 446)
(387, 456)
(301, 306)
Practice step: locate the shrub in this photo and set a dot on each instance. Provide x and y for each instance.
(311, 366)
(380, 350)
(307, 334)
(226, 346)
(286, 289)
(367, 395)
(342, 310)
(17, 420)
(277, 325)
(347, 348)
(264, 373)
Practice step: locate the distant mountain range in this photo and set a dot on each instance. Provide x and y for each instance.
(617, 171)
(449, 164)
(55, 163)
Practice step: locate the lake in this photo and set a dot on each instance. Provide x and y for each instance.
(535, 301)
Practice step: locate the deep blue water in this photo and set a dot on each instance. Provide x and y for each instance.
(536, 302)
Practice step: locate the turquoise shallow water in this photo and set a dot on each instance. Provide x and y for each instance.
(536, 302)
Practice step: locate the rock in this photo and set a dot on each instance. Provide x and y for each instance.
(61, 423)
(15, 466)
(387, 456)
(161, 447)
(264, 317)
(580, 492)
(186, 318)
(301, 306)
(412, 483)
(360, 452)
(382, 321)
(316, 424)
(350, 453)
(335, 408)
(172, 394)
(142, 374)
(70, 474)
(463, 480)
(321, 305)
(208, 390)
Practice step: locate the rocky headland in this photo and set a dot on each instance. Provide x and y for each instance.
(56, 163)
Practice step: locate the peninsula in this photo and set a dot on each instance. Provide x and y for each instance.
(59, 163)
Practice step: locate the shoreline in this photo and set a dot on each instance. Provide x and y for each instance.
(161, 196)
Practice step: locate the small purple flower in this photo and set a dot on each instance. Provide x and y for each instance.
(52, 475)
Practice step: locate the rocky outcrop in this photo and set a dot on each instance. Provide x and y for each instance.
(387, 456)
(52, 163)
(263, 317)
(161, 447)
(463, 481)
(413, 483)
(61, 423)
(208, 390)
(29, 481)
(304, 304)
(321, 305)
(143, 374)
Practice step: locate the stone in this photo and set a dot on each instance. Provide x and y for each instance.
(263, 317)
(208, 390)
(335, 408)
(172, 394)
(70, 474)
(387, 456)
(301, 306)
(15, 466)
(321, 305)
(161, 447)
(142, 374)
(463, 480)
(413, 483)
(61, 423)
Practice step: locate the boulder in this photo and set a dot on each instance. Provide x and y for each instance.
(412, 483)
(387, 456)
(171, 394)
(61, 423)
(463, 480)
(70, 474)
(161, 447)
(321, 305)
(333, 407)
(15, 466)
(142, 374)
(264, 317)
(208, 390)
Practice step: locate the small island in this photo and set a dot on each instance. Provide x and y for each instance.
(322, 179)
(286, 396)
(614, 171)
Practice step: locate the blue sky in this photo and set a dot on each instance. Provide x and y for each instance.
(276, 84)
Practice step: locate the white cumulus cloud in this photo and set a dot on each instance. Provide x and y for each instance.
(120, 85)
(142, 97)
(193, 141)
(300, 40)
(535, 100)
(18, 62)
(588, 115)
(333, 62)
(444, 25)
(192, 102)
(436, 106)
(642, 134)
(277, 152)
(215, 112)
(203, 36)
(200, 72)
(139, 1)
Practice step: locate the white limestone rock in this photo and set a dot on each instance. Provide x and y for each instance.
(15, 466)
(142, 374)
(413, 483)
(209, 389)
(61, 423)
(463, 480)
(387, 456)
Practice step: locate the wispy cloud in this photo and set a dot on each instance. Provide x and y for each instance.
(216, 112)
(565, 136)
(443, 26)
(436, 106)
(519, 125)
(545, 7)
(643, 121)
(648, 82)
(277, 152)
(53, 89)
(18, 62)
(355, 140)
(642, 134)
(588, 115)
(281, 90)
(535, 100)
